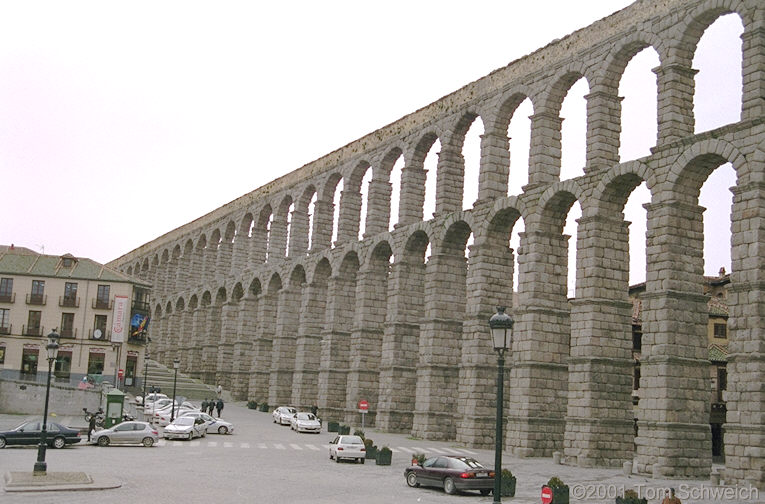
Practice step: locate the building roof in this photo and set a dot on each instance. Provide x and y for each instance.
(23, 261)
(718, 353)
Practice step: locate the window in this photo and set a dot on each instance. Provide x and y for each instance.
(6, 290)
(29, 362)
(33, 323)
(96, 363)
(636, 378)
(2, 354)
(99, 325)
(5, 321)
(38, 292)
(637, 338)
(102, 297)
(63, 365)
(722, 382)
(67, 325)
(721, 331)
(70, 294)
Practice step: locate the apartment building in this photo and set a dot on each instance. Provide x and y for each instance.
(101, 315)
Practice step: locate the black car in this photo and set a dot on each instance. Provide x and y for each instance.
(28, 433)
(451, 473)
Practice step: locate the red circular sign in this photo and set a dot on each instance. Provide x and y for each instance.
(363, 405)
(120, 373)
(547, 495)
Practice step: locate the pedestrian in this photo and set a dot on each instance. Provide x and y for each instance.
(670, 498)
(219, 390)
(91, 425)
(211, 407)
(204, 405)
(219, 406)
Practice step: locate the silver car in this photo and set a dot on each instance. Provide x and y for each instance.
(212, 425)
(305, 422)
(127, 433)
(283, 414)
(185, 428)
(347, 447)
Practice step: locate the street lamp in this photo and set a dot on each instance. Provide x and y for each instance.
(40, 466)
(501, 325)
(145, 372)
(176, 365)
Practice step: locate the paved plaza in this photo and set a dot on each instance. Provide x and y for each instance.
(265, 463)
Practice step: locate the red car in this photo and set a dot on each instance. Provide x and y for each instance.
(452, 473)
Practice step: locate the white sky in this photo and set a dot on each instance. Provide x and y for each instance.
(122, 121)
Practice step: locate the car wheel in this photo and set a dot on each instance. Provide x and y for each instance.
(103, 441)
(485, 491)
(449, 486)
(148, 442)
(411, 480)
(58, 442)
(2, 442)
(222, 429)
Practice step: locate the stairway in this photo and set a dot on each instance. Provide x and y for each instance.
(161, 376)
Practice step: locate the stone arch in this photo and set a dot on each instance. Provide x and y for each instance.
(694, 166)
(695, 23)
(237, 293)
(255, 288)
(180, 304)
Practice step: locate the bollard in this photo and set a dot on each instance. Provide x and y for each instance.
(556, 457)
(627, 468)
(715, 478)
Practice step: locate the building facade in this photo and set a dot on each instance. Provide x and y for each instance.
(275, 299)
(100, 314)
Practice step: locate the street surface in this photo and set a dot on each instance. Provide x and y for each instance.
(266, 463)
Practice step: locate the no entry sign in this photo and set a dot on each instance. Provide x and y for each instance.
(363, 406)
(547, 495)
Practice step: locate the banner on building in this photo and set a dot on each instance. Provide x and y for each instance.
(139, 324)
(119, 318)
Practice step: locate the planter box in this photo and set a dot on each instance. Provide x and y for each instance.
(507, 486)
(384, 457)
(332, 426)
(371, 453)
(344, 429)
(560, 495)
(631, 500)
(263, 407)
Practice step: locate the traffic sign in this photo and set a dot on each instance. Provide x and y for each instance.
(363, 406)
(121, 373)
(547, 495)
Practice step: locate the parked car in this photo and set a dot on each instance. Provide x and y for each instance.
(127, 433)
(347, 447)
(28, 433)
(162, 416)
(305, 422)
(452, 473)
(212, 425)
(185, 428)
(150, 398)
(283, 414)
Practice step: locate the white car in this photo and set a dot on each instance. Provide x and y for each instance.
(283, 414)
(162, 417)
(347, 447)
(185, 428)
(305, 422)
(150, 398)
(212, 424)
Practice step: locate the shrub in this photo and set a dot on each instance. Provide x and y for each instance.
(359, 433)
(631, 497)
(252, 404)
(263, 407)
(556, 482)
(418, 457)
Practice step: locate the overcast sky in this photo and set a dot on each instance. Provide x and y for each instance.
(120, 121)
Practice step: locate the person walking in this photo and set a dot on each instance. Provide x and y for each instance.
(210, 407)
(219, 390)
(204, 405)
(219, 406)
(91, 425)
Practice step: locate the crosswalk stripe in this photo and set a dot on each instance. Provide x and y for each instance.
(212, 443)
(227, 444)
(468, 452)
(244, 445)
(279, 446)
(312, 447)
(262, 446)
(403, 449)
(451, 451)
(296, 447)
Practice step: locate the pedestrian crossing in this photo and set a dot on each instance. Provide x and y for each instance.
(407, 450)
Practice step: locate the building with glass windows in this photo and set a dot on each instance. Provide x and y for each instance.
(102, 316)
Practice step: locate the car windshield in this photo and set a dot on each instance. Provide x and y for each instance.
(305, 416)
(184, 421)
(351, 440)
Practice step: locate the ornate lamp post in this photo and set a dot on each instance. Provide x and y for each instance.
(40, 466)
(145, 372)
(176, 365)
(501, 326)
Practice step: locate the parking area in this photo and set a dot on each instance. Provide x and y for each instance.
(267, 463)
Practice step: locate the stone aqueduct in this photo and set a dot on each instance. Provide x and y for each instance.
(245, 302)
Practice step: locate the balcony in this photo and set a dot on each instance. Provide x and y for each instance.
(8, 298)
(102, 304)
(141, 306)
(6, 329)
(37, 299)
(104, 336)
(68, 333)
(69, 302)
(139, 339)
(32, 331)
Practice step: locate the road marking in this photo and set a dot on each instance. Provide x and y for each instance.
(452, 451)
(295, 447)
(262, 446)
(312, 447)
(469, 452)
(227, 444)
(212, 443)
(194, 443)
(244, 445)
(279, 446)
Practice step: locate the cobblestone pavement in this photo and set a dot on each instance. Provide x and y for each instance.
(266, 463)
